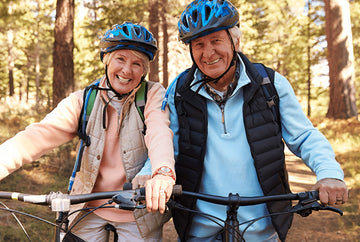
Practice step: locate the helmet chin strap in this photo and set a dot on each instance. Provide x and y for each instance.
(208, 79)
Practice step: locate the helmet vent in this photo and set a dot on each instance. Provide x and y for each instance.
(194, 16)
(126, 30)
(185, 22)
(137, 31)
(147, 36)
(207, 12)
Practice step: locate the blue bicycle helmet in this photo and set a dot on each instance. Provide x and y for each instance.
(202, 17)
(128, 36)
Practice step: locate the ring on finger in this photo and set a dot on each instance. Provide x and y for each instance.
(162, 191)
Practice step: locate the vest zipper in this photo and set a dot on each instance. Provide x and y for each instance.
(222, 107)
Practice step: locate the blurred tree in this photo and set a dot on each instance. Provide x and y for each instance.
(165, 40)
(341, 60)
(9, 27)
(63, 58)
(154, 7)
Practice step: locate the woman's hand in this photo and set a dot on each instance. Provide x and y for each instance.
(139, 181)
(158, 192)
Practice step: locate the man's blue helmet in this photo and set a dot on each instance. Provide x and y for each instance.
(128, 36)
(202, 17)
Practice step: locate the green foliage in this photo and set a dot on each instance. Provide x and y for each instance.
(274, 32)
(31, 24)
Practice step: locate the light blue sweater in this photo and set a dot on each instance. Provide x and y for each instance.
(229, 166)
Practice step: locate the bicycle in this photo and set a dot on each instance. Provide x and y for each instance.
(134, 199)
(60, 203)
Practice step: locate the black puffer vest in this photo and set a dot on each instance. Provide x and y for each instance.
(263, 135)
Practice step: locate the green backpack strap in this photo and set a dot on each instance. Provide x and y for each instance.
(91, 102)
(140, 99)
(90, 93)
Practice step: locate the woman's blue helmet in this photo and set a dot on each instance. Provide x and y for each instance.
(202, 17)
(128, 36)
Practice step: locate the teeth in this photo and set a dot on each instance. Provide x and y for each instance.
(213, 62)
(122, 80)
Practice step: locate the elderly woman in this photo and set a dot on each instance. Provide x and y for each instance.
(121, 149)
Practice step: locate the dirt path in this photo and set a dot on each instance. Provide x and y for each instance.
(319, 226)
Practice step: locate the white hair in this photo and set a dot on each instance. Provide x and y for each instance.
(235, 34)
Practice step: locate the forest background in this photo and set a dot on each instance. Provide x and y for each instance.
(50, 48)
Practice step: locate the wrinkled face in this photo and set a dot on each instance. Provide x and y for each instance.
(125, 70)
(212, 53)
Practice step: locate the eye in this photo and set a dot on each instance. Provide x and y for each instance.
(198, 45)
(138, 64)
(217, 40)
(120, 58)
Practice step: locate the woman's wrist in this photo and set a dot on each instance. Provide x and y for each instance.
(165, 171)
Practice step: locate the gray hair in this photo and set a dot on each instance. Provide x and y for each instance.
(235, 34)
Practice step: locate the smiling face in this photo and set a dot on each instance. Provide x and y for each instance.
(212, 53)
(125, 69)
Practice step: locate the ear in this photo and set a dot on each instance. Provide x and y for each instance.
(237, 44)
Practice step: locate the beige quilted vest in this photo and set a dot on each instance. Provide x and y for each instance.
(134, 155)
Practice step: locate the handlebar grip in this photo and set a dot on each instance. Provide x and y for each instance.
(127, 186)
(177, 189)
(309, 197)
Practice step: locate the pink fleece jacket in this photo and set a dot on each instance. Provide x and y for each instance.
(60, 126)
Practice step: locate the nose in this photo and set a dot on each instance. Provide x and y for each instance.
(126, 68)
(208, 50)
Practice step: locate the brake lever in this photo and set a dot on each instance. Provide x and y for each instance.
(129, 200)
(306, 209)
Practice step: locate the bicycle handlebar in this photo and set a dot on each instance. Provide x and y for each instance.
(127, 199)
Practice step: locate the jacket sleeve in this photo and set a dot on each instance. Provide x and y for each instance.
(57, 128)
(302, 138)
(158, 136)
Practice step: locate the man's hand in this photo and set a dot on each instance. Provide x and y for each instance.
(332, 191)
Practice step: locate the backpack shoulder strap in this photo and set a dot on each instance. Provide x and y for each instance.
(140, 99)
(272, 97)
(89, 96)
(185, 76)
(88, 103)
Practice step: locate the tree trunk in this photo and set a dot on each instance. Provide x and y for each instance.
(63, 78)
(341, 60)
(165, 44)
(10, 39)
(154, 29)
